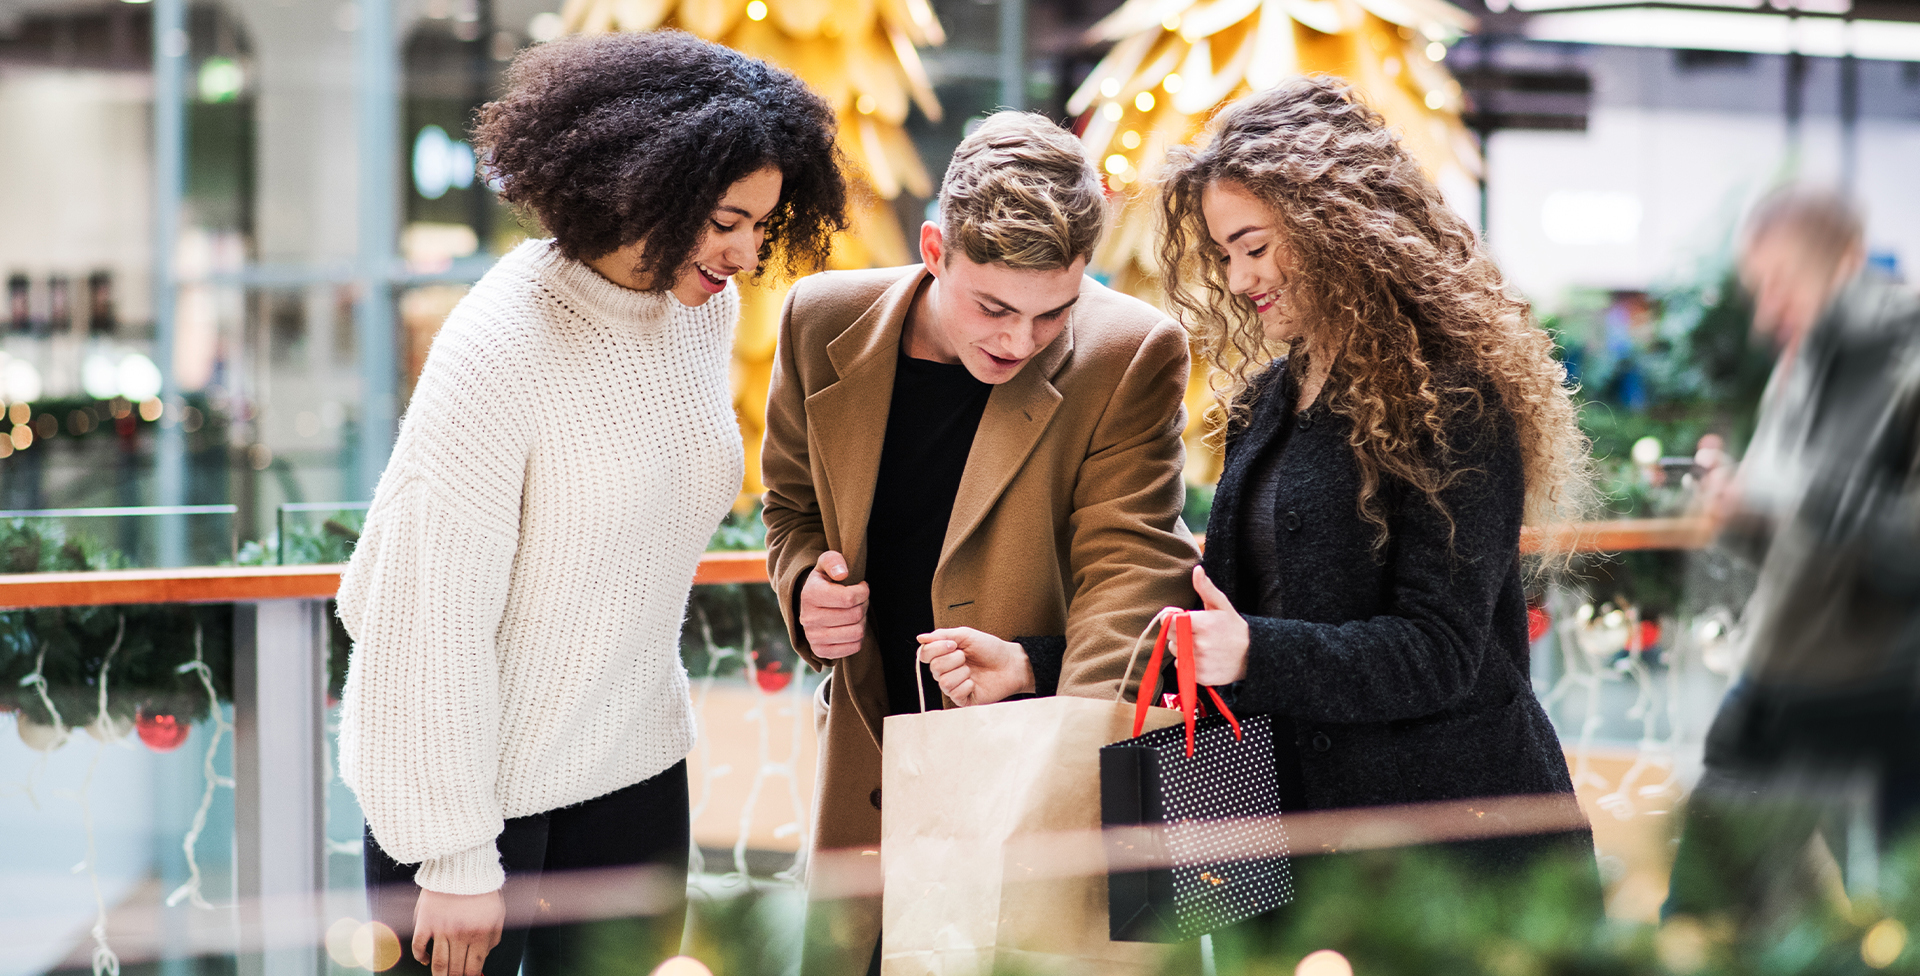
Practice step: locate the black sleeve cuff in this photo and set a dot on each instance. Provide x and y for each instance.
(1262, 690)
(1045, 655)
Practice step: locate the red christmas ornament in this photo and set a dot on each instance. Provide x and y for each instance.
(161, 732)
(1539, 621)
(771, 676)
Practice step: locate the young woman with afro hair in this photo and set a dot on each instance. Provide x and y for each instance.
(515, 706)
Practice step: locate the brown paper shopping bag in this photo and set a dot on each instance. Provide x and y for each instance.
(990, 841)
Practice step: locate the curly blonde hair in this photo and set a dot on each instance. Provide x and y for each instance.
(1393, 285)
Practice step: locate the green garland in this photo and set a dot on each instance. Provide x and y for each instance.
(54, 660)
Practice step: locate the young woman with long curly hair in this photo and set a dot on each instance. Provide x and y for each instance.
(1393, 416)
(515, 706)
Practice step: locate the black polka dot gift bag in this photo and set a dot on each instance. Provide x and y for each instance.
(1191, 811)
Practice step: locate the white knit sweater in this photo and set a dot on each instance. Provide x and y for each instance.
(516, 596)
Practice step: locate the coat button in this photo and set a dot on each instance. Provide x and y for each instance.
(1292, 521)
(1306, 422)
(1320, 744)
(874, 798)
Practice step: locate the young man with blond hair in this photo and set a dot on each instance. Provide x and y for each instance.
(975, 462)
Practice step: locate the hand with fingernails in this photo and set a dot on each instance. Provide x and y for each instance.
(833, 614)
(453, 933)
(975, 668)
(1219, 635)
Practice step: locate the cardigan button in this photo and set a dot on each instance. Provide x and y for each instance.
(874, 798)
(1293, 521)
(1306, 421)
(1320, 744)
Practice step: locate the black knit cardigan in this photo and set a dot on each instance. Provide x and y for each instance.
(1397, 675)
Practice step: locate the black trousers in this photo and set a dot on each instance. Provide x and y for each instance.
(643, 826)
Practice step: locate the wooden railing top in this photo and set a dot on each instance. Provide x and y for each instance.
(1621, 535)
(231, 584)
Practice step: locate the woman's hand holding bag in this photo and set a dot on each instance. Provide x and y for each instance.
(1219, 635)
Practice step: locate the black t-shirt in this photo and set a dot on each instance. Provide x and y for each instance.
(935, 411)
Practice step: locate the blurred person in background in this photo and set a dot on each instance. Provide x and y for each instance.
(1819, 735)
(516, 707)
(974, 461)
(1394, 415)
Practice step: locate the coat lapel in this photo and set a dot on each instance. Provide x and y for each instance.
(850, 415)
(1017, 414)
(848, 419)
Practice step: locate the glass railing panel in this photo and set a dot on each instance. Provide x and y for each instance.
(309, 533)
(137, 537)
(116, 799)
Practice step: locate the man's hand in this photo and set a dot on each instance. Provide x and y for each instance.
(832, 614)
(1219, 635)
(975, 668)
(459, 930)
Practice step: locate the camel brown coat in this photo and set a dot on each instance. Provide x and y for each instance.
(1067, 522)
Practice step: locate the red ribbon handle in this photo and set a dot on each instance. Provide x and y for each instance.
(1183, 672)
(1178, 626)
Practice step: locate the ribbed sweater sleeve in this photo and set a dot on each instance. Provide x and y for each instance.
(423, 599)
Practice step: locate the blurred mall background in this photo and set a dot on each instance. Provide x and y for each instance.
(279, 215)
(229, 231)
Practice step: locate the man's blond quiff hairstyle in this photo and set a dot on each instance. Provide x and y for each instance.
(1022, 192)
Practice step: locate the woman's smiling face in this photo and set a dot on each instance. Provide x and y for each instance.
(1259, 265)
(730, 243)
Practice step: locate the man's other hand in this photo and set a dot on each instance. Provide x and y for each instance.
(832, 614)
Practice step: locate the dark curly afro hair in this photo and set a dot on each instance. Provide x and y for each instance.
(614, 139)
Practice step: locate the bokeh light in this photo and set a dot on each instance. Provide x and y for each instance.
(375, 947)
(139, 378)
(100, 377)
(1326, 962)
(1883, 943)
(682, 966)
(340, 942)
(22, 381)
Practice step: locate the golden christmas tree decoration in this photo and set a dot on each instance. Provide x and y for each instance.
(1174, 63)
(861, 56)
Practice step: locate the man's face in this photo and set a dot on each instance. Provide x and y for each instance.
(1790, 286)
(989, 317)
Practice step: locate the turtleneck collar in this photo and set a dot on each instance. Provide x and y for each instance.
(597, 297)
